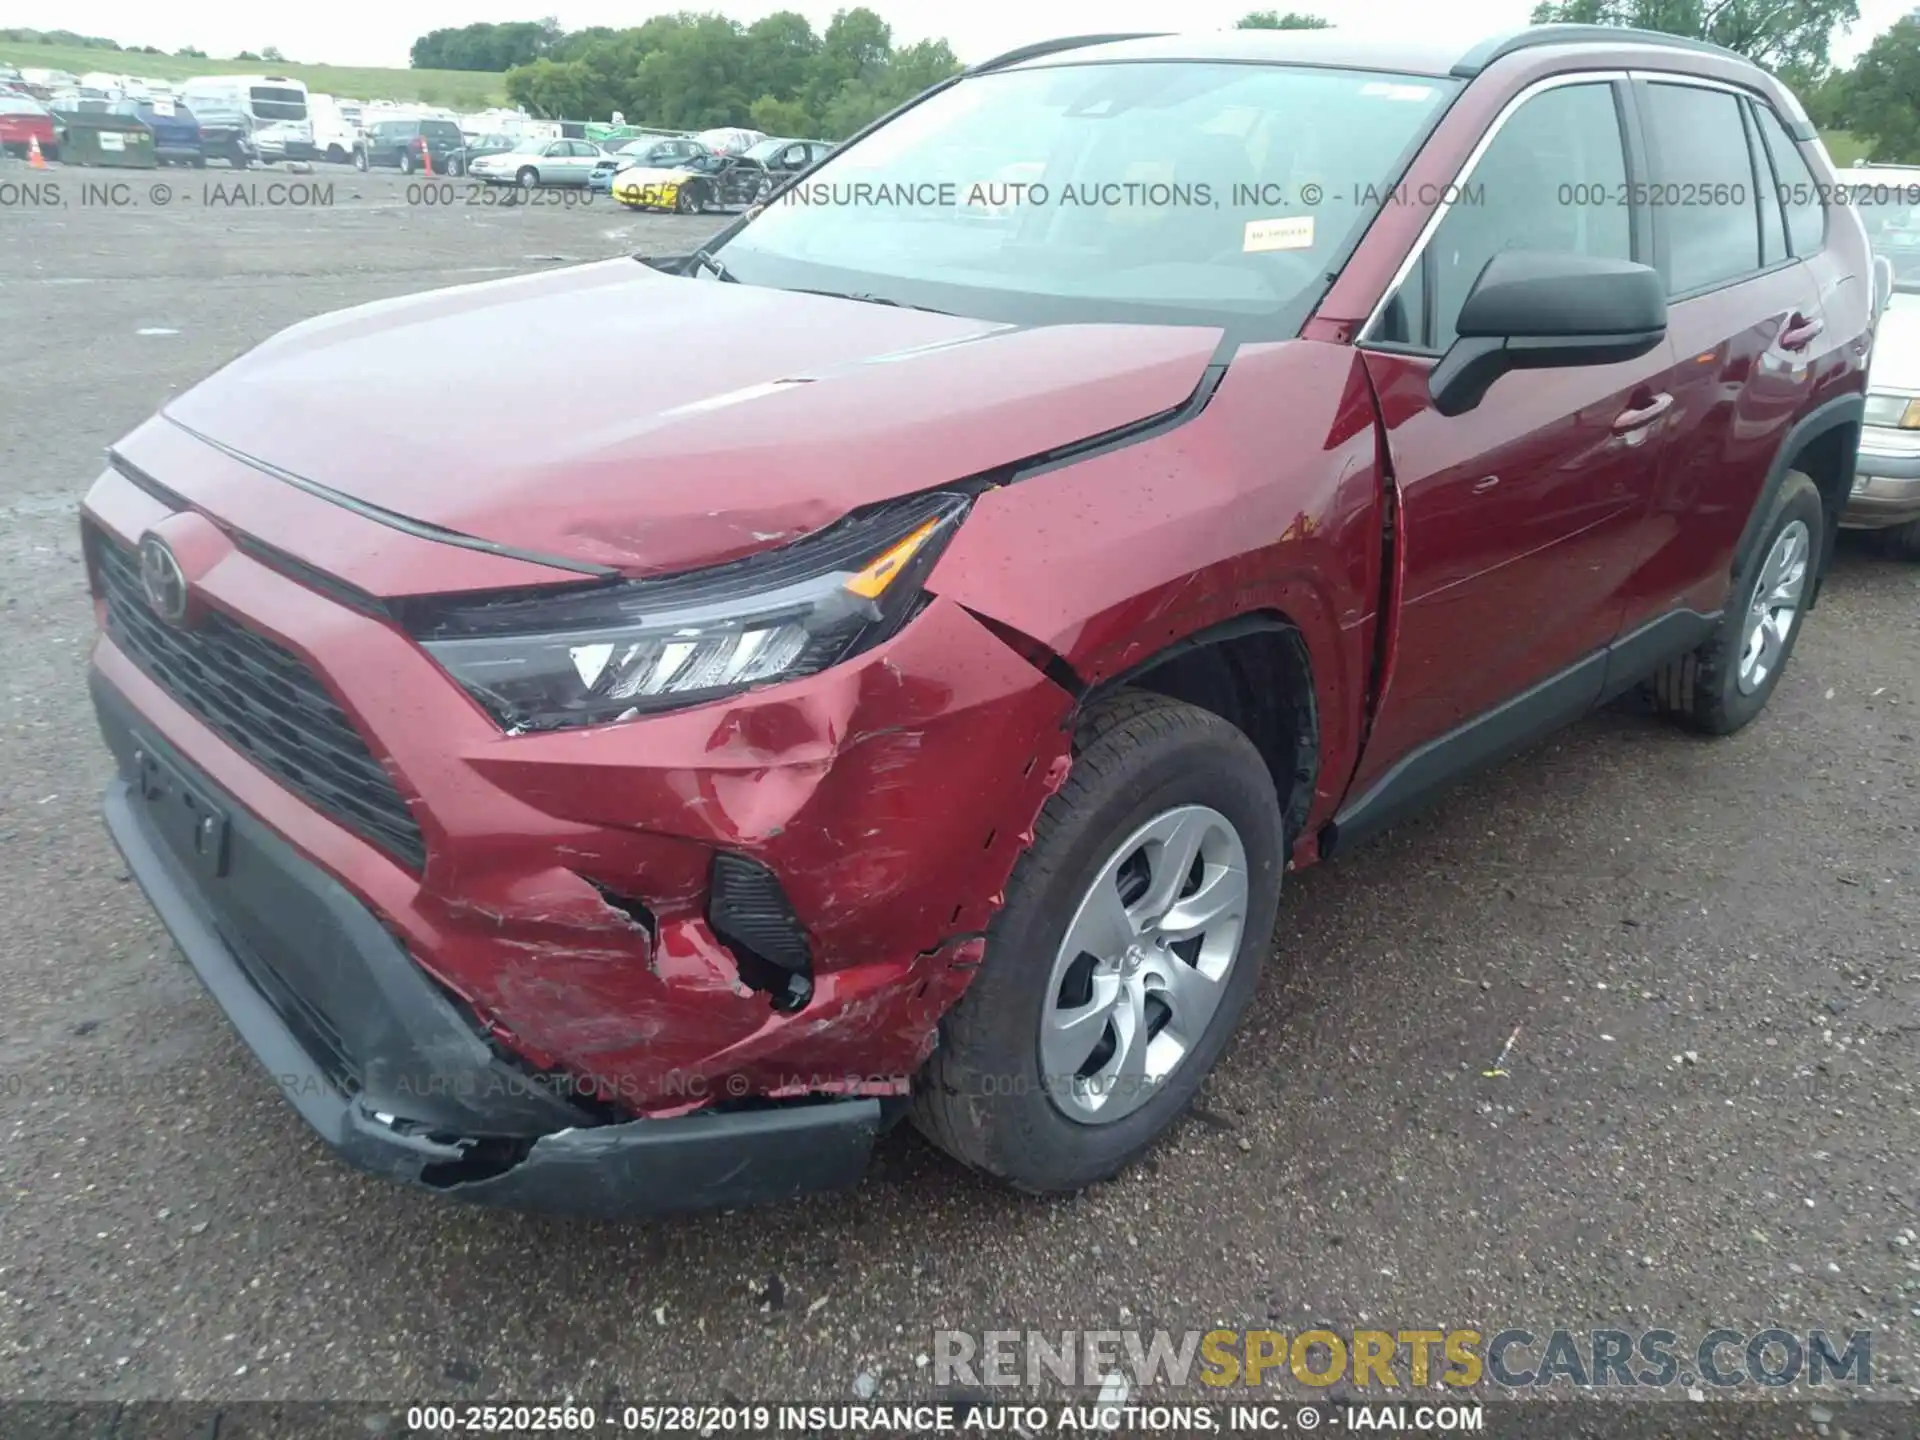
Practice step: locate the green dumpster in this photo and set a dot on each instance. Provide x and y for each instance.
(90, 137)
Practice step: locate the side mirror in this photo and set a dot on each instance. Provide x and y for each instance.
(1536, 310)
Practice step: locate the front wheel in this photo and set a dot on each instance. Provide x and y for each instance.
(360, 160)
(1724, 684)
(528, 177)
(1127, 951)
(456, 167)
(406, 162)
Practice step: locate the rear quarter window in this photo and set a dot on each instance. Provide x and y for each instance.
(1799, 194)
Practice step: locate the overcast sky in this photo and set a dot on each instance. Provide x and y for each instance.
(379, 32)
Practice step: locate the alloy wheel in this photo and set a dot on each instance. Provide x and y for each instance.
(1774, 606)
(1144, 963)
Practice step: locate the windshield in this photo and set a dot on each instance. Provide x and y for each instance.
(1893, 230)
(530, 147)
(767, 149)
(1147, 191)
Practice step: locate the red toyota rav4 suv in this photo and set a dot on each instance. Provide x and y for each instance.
(1138, 468)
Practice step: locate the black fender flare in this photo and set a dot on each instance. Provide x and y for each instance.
(1846, 412)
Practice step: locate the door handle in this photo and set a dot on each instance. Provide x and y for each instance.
(1799, 331)
(1628, 420)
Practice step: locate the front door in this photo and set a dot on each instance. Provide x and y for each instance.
(1518, 519)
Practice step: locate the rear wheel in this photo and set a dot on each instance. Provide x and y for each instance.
(335, 155)
(456, 167)
(406, 162)
(1127, 951)
(360, 160)
(1726, 682)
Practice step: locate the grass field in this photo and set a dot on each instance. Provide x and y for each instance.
(1843, 148)
(460, 89)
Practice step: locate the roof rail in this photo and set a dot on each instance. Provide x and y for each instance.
(1050, 47)
(1488, 51)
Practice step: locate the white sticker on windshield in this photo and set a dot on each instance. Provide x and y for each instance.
(1295, 232)
(1385, 91)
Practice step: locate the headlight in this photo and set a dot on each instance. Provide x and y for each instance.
(588, 656)
(1894, 412)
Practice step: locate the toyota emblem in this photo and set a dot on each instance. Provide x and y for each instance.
(163, 580)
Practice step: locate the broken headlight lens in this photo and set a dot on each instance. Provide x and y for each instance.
(586, 657)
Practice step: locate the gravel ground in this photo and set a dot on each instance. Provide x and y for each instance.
(1711, 951)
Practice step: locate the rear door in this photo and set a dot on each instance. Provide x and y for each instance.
(1518, 518)
(1745, 318)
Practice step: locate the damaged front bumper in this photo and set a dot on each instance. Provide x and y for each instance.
(263, 927)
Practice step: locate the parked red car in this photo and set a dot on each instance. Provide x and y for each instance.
(22, 121)
(916, 707)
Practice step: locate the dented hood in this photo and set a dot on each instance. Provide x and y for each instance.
(612, 414)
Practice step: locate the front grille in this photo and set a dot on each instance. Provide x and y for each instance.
(266, 703)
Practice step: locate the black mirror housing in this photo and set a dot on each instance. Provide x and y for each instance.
(1533, 310)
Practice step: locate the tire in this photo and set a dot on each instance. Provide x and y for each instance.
(983, 1096)
(456, 167)
(1902, 541)
(242, 162)
(1716, 689)
(360, 161)
(686, 200)
(406, 162)
(528, 177)
(199, 162)
(335, 155)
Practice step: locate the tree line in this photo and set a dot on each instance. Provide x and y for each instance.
(1876, 99)
(697, 71)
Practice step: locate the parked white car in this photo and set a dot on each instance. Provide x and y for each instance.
(540, 162)
(1886, 481)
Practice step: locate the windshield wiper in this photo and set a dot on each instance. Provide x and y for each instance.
(866, 299)
(702, 258)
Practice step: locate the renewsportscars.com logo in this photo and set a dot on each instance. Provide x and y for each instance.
(1516, 1358)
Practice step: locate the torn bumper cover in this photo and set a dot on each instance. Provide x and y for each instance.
(249, 912)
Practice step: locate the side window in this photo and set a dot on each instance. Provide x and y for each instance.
(1705, 181)
(1806, 216)
(1773, 233)
(1551, 179)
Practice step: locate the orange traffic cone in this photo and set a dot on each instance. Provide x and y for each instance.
(35, 160)
(426, 157)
